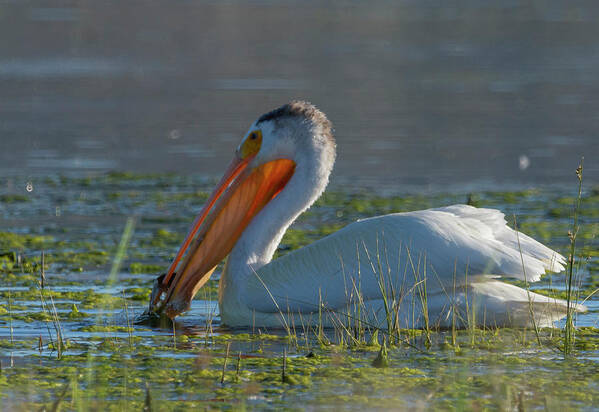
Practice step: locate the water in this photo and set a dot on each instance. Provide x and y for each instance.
(447, 100)
(79, 222)
(422, 94)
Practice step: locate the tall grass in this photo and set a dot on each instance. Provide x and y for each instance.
(527, 285)
(569, 330)
(351, 325)
(50, 312)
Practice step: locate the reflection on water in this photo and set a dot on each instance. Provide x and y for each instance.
(258, 84)
(17, 69)
(422, 94)
(53, 14)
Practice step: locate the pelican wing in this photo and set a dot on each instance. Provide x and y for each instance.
(397, 252)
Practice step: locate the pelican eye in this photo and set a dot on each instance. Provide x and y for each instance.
(251, 144)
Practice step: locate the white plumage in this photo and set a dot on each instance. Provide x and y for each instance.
(459, 251)
(440, 267)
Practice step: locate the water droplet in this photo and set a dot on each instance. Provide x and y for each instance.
(29, 187)
(523, 162)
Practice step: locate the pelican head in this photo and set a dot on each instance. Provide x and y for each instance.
(279, 169)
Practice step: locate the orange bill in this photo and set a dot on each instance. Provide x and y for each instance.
(236, 167)
(239, 197)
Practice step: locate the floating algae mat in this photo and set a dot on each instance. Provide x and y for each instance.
(69, 341)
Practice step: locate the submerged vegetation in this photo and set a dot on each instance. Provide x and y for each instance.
(77, 265)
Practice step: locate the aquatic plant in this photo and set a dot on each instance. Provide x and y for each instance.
(109, 362)
(569, 330)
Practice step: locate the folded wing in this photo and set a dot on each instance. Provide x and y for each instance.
(447, 246)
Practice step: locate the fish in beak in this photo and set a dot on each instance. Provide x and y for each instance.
(240, 195)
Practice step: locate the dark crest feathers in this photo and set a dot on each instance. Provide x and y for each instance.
(304, 109)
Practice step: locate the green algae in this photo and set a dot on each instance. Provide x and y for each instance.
(138, 267)
(106, 328)
(15, 241)
(75, 313)
(14, 198)
(106, 363)
(141, 294)
(381, 360)
(162, 238)
(77, 261)
(322, 379)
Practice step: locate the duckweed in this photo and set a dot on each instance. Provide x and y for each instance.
(137, 267)
(14, 198)
(10, 241)
(74, 344)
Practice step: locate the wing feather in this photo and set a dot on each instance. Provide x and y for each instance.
(447, 246)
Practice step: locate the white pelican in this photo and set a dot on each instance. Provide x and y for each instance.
(437, 266)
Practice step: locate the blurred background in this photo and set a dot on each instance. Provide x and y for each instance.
(424, 95)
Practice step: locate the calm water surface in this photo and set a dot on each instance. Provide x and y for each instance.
(426, 97)
(422, 94)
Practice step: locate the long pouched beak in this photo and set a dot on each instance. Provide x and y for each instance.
(240, 195)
